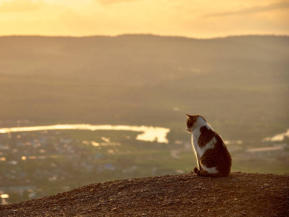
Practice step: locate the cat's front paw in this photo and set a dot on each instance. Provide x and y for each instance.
(196, 170)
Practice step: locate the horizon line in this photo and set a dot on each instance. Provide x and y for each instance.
(145, 34)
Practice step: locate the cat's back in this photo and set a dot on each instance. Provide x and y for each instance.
(218, 153)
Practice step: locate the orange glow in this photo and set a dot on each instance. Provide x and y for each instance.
(198, 18)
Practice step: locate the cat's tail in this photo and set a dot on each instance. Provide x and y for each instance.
(206, 174)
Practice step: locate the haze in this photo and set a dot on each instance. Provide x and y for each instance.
(198, 18)
(140, 66)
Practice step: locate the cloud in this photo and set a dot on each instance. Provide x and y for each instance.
(252, 10)
(106, 2)
(19, 6)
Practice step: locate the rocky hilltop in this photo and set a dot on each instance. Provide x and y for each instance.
(240, 194)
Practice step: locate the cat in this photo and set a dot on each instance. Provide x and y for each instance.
(213, 158)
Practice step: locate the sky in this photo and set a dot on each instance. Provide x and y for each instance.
(190, 18)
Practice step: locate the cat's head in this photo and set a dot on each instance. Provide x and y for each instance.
(194, 121)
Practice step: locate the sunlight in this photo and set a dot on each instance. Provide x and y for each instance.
(164, 17)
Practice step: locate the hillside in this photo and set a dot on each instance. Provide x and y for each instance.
(240, 194)
(239, 83)
(147, 80)
(80, 79)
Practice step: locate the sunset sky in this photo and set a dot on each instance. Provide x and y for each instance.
(192, 18)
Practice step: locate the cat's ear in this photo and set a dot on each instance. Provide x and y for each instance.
(189, 116)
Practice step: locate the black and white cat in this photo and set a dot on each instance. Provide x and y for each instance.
(213, 158)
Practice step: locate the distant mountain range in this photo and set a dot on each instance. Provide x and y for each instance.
(146, 79)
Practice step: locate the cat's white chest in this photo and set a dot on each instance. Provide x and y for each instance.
(194, 140)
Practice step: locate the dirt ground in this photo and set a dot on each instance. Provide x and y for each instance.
(240, 194)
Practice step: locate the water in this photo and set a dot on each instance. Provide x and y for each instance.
(4, 198)
(264, 149)
(148, 133)
(277, 138)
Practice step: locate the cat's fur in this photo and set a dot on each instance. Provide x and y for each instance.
(213, 158)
